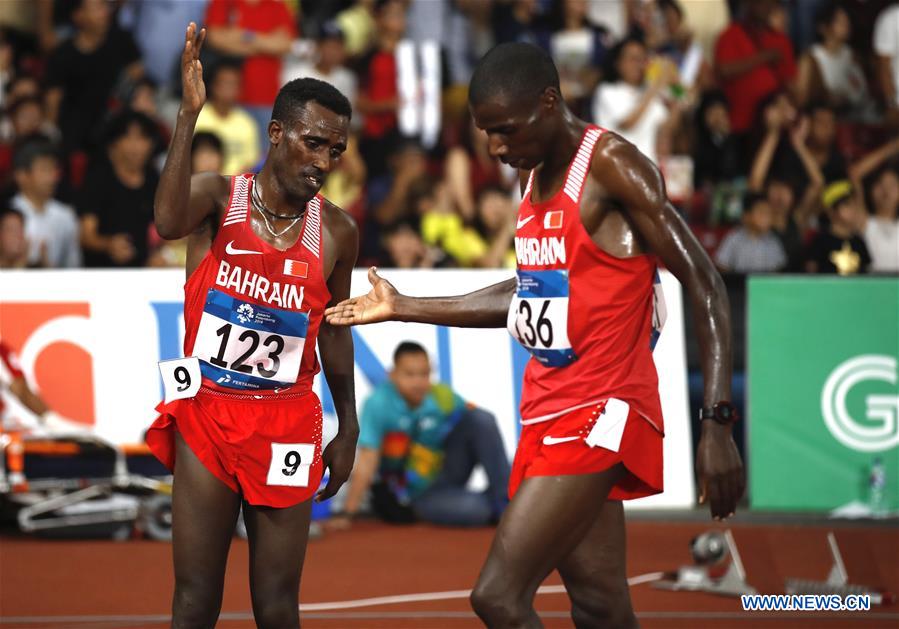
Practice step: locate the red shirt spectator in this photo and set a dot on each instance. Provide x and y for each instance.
(379, 96)
(753, 61)
(380, 85)
(255, 30)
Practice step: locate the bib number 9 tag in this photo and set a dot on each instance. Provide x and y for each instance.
(180, 378)
(290, 464)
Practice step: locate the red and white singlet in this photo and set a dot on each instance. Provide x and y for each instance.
(251, 311)
(589, 319)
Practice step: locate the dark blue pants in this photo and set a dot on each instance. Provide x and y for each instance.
(474, 440)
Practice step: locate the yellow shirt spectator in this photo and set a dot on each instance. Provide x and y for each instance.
(238, 132)
(464, 244)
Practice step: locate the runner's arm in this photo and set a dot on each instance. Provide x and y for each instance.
(336, 348)
(485, 308)
(182, 202)
(336, 343)
(635, 182)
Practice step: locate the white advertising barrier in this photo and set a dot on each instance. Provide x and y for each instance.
(89, 342)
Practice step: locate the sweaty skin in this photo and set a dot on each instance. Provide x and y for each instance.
(302, 153)
(626, 212)
(563, 522)
(193, 207)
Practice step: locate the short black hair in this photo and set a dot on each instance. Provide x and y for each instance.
(419, 190)
(513, 71)
(492, 188)
(6, 210)
(295, 94)
(790, 181)
(826, 13)
(32, 149)
(408, 347)
(871, 180)
(398, 144)
(24, 102)
(709, 99)
(331, 30)
(889, 167)
(22, 78)
(610, 71)
(751, 199)
(145, 81)
(226, 63)
(118, 126)
(671, 4)
(404, 223)
(819, 105)
(380, 4)
(206, 139)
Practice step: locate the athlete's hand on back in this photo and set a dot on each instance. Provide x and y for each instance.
(378, 305)
(720, 469)
(193, 89)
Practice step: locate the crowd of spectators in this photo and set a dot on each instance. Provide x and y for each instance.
(774, 123)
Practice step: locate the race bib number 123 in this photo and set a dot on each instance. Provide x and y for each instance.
(244, 345)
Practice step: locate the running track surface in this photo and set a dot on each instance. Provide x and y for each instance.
(103, 584)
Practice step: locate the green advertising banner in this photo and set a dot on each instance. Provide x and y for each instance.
(823, 396)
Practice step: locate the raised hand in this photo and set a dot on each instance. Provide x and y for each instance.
(378, 305)
(193, 89)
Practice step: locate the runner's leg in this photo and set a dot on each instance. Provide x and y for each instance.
(204, 512)
(277, 548)
(546, 520)
(594, 574)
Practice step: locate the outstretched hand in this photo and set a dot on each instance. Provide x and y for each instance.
(378, 305)
(722, 479)
(193, 89)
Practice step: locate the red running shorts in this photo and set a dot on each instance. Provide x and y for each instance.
(269, 448)
(559, 447)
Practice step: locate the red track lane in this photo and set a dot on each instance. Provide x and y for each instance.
(132, 581)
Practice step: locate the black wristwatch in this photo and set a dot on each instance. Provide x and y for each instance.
(723, 413)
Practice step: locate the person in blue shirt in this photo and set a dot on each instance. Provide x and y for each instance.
(418, 444)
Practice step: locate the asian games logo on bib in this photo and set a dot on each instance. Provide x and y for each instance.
(245, 313)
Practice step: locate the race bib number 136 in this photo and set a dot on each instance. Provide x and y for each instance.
(538, 316)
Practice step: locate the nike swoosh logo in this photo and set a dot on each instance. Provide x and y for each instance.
(524, 221)
(229, 249)
(551, 441)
